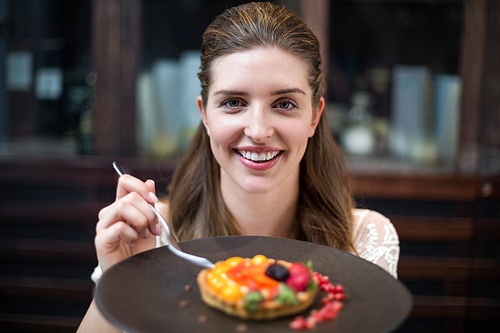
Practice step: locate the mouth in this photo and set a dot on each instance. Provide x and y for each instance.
(259, 157)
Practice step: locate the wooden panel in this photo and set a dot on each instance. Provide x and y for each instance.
(447, 269)
(116, 58)
(424, 187)
(58, 289)
(81, 173)
(106, 63)
(439, 307)
(472, 70)
(450, 307)
(490, 123)
(492, 80)
(411, 228)
(39, 324)
(422, 268)
(130, 50)
(29, 249)
(316, 15)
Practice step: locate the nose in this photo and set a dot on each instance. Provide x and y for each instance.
(259, 126)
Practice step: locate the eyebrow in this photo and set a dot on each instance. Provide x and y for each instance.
(289, 91)
(277, 92)
(230, 92)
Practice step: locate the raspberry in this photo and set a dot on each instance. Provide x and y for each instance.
(277, 272)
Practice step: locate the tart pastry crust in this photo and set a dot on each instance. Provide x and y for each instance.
(266, 310)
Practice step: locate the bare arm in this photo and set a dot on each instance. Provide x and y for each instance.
(125, 228)
(95, 322)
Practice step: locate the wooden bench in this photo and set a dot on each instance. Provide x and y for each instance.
(457, 272)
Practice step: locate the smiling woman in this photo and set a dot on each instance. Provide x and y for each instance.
(263, 161)
(260, 104)
(262, 98)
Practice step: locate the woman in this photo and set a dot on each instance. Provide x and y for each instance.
(263, 161)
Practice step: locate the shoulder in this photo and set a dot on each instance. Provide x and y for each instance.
(365, 218)
(371, 228)
(376, 239)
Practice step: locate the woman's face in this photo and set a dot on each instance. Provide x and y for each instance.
(259, 118)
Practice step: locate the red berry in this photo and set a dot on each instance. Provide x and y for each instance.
(331, 310)
(299, 323)
(310, 323)
(318, 317)
(337, 306)
(339, 288)
(298, 268)
(298, 281)
(339, 296)
(332, 288)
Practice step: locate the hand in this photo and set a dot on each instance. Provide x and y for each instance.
(127, 226)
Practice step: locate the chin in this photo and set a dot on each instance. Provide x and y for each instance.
(257, 187)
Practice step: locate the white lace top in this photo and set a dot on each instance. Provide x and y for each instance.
(375, 238)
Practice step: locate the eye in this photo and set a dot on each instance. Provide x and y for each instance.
(286, 105)
(232, 103)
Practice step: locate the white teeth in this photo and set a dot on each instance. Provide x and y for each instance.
(256, 157)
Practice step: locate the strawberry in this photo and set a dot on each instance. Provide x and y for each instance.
(299, 281)
(298, 268)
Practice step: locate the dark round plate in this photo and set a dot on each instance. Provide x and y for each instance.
(144, 292)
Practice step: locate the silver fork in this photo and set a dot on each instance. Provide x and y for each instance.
(172, 241)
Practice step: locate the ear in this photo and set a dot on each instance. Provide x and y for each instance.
(317, 116)
(203, 114)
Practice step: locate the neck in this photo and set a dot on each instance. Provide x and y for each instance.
(268, 214)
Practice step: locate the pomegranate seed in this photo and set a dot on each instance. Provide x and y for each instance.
(336, 306)
(310, 323)
(299, 323)
(331, 304)
(318, 316)
(340, 296)
(339, 288)
(332, 288)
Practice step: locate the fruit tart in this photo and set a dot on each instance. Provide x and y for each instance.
(258, 288)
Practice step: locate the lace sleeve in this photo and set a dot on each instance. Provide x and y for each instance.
(376, 239)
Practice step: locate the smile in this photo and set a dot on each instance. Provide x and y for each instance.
(255, 157)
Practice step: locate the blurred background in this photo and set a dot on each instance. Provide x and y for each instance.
(413, 99)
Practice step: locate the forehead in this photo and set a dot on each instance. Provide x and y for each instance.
(259, 69)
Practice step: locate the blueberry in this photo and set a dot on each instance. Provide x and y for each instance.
(277, 272)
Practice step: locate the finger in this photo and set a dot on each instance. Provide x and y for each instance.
(151, 185)
(128, 184)
(103, 212)
(156, 228)
(131, 209)
(107, 239)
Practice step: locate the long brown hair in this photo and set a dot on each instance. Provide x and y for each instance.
(324, 212)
